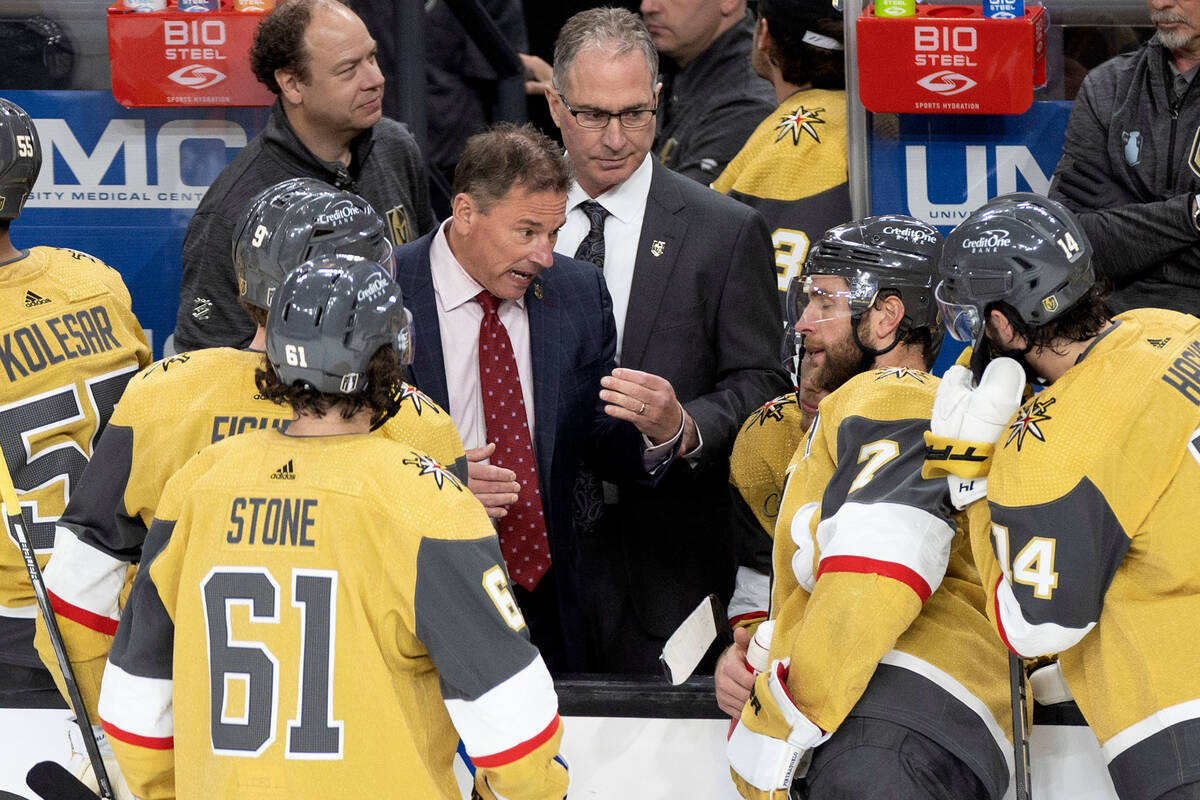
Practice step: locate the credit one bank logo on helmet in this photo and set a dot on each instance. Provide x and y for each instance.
(989, 242)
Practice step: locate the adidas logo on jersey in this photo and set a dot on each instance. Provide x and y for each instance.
(285, 473)
(1157, 344)
(32, 299)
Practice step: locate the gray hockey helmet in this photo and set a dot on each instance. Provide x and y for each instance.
(20, 158)
(329, 317)
(1022, 249)
(889, 252)
(296, 221)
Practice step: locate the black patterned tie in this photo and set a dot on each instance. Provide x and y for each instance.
(592, 247)
(588, 492)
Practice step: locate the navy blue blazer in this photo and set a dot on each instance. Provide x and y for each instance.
(573, 343)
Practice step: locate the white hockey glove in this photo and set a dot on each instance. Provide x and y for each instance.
(81, 766)
(967, 422)
(770, 745)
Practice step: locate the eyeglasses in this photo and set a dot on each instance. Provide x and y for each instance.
(596, 119)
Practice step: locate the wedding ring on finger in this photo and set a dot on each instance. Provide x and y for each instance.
(643, 408)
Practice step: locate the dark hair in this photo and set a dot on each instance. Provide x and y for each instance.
(279, 42)
(505, 156)
(259, 315)
(801, 63)
(385, 373)
(1082, 321)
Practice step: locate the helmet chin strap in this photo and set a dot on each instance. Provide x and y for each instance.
(869, 354)
(985, 350)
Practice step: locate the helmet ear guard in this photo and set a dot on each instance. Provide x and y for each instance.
(20, 158)
(330, 316)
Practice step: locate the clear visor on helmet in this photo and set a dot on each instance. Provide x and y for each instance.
(962, 321)
(817, 298)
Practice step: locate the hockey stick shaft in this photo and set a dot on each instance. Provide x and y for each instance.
(1020, 725)
(16, 523)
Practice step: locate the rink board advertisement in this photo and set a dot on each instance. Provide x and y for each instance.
(122, 184)
(941, 168)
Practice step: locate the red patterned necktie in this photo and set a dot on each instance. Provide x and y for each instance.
(523, 530)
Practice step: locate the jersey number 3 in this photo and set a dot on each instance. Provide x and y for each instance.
(244, 675)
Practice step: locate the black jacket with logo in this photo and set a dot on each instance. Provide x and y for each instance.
(385, 168)
(1127, 122)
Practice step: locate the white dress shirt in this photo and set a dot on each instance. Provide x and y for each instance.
(459, 316)
(626, 205)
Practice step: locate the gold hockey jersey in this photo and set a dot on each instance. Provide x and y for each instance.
(316, 618)
(168, 413)
(793, 170)
(875, 592)
(69, 343)
(1092, 496)
(761, 453)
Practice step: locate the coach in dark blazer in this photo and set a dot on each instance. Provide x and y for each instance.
(692, 277)
(509, 202)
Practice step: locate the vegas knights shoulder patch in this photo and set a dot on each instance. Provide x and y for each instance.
(772, 410)
(1194, 154)
(1028, 423)
(424, 465)
(800, 120)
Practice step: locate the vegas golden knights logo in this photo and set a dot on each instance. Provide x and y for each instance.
(1050, 304)
(400, 224)
(1194, 155)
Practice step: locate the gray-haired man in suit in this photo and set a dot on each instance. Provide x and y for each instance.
(691, 274)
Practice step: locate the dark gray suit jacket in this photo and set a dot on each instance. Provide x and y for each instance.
(703, 313)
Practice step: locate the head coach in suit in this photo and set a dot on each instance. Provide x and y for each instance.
(514, 340)
(691, 274)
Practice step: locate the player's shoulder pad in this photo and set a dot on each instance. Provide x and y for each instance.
(782, 410)
(81, 276)
(882, 394)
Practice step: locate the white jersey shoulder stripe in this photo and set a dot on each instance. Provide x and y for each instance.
(912, 538)
(510, 714)
(137, 706)
(85, 579)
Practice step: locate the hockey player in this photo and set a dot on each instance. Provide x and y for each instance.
(763, 448)
(881, 657)
(1092, 485)
(189, 401)
(69, 342)
(325, 608)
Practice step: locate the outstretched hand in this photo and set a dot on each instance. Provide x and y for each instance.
(646, 400)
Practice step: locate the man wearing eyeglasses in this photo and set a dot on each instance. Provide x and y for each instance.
(691, 276)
